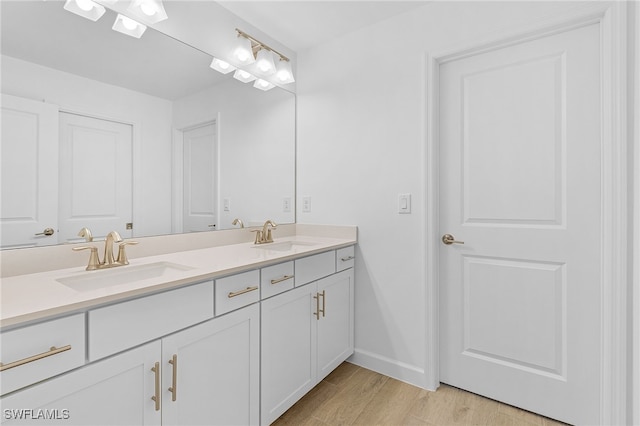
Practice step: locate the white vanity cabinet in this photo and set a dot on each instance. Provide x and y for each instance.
(114, 391)
(306, 333)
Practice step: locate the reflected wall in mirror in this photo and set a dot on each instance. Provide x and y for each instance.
(204, 148)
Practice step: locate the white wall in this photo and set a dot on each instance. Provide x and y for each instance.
(256, 148)
(361, 138)
(150, 116)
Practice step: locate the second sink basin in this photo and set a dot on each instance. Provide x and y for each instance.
(95, 280)
(284, 245)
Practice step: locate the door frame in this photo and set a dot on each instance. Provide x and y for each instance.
(612, 19)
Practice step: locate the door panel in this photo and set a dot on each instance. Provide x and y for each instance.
(29, 172)
(95, 176)
(200, 179)
(520, 174)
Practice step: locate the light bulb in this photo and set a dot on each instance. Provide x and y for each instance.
(284, 75)
(264, 62)
(149, 8)
(128, 23)
(85, 5)
(244, 74)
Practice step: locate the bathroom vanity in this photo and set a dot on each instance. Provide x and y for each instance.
(233, 334)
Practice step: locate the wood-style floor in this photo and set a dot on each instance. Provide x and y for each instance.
(352, 395)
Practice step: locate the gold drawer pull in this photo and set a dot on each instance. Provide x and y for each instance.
(348, 258)
(52, 351)
(279, 280)
(246, 290)
(156, 396)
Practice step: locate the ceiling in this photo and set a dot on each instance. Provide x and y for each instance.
(302, 24)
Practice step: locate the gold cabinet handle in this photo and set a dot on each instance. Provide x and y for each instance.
(246, 290)
(348, 258)
(324, 299)
(156, 396)
(52, 351)
(449, 239)
(174, 379)
(279, 280)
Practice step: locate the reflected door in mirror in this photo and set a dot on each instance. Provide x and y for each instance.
(29, 149)
(200, 178)
(95, 176)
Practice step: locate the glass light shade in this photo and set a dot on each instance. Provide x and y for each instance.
(264, 62)
(242, 51)
(149, 11)
(283, 72)
(222, 66)
(263, 85)
(128, 26)
(85, 8)
(243, 76)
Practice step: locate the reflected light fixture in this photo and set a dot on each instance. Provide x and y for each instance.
(150, 11)
(222, 66)
(263, 85)
(264, 62)
(128, 26)
(85, 8)
(243, 76)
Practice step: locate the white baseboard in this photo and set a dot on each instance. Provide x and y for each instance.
(390, 367)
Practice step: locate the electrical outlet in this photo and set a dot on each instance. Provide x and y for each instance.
(286, 204)
(226, 204)
(306, 204)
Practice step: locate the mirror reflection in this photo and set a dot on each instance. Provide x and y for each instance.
(108, 132)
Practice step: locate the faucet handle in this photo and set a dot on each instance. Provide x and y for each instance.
(259, 236)
(94, 262)
(122, 255)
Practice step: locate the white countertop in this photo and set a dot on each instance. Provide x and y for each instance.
(32, 297)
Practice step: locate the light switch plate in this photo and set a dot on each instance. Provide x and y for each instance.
(404, 203)
(226, 204)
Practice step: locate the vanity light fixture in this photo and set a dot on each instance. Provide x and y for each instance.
(264, 62)
(243, 76)
(222, 66)
(263, 85)
(128, 26)
(249, 49)
(85, 8)
(149, 11)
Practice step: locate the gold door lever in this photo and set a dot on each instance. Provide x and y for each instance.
(449, 239)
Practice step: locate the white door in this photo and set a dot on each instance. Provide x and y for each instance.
(95, 176)
(29, 152)
(214, 372)
(200, 179)
(520, 185)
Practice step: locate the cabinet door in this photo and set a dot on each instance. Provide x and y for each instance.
(116, 391)
(335, 326)
(288, 350)
(213, 371)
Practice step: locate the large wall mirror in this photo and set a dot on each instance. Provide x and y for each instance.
(105, 131)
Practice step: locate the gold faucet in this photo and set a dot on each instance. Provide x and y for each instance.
(86, 234)
(237, 221)
(264, 235)
(107, 261)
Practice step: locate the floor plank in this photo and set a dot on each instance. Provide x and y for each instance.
(353, 395)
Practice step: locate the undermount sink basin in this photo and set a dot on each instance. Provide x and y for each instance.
(94, 280)
(284, 245)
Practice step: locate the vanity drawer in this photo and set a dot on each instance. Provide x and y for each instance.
(345, 258)
(40, 351)
(315, 267)
(118, 327)
(276, 279)
(237, 291)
